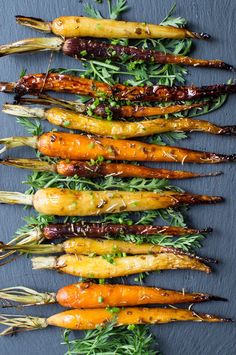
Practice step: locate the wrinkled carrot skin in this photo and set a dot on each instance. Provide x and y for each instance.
(85, 169)
(66, 230)
(92, 49)
(66, 202)
(91, 295)
(37, 83)
(83, 48)
(79, 319)
(81, 147)
(98, 267)
(122, 130)
(117, 111)
(77, 26)
(141, 111)
(86, 246)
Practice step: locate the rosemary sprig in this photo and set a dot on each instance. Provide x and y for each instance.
(110, 340)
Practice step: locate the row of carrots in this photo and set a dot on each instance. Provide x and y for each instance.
(94, 304)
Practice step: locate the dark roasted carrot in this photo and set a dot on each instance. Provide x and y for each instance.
(66, 202)
(86, 169)
(95, 230)
(92, 295)
(117, 111)
(117, 129)
(54, 231)
(82, 48)
(81, 319)
(36, 83)
(81, 147)
(78, 26)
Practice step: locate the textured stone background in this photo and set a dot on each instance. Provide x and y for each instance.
(216, 18)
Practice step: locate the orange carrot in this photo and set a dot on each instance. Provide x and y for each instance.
(80, 147)
(82, 319)
(92, 295)
(90, 170)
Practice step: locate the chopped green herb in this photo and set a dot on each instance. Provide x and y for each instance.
(113, 310)
(100, 299)
(83, 53)
(66, 123)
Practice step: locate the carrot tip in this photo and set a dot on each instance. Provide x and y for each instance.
(206, 230)
(217, 298)
(228, 130)
(226, 66)
(228, 320)
(202, 35)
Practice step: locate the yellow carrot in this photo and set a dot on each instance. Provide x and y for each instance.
(100, 267)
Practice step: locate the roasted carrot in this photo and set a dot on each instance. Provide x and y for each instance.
(98, 267)
(94, 230)
(88, 246)
(54, 231)
(117, 129)
(82, 48)
(82, 319)
(37, 83)
(77, 26)
(117, 111)
(66, 202)
(80, 147)
(86, 169)
(92, 295)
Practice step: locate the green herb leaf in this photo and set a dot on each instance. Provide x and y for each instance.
(111, 340)
(91, 11)
(33, 127)
(116, 10)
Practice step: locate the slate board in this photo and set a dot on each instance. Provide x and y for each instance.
(218, 19)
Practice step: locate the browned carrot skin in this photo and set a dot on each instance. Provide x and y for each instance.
(36, 83)
(80, 48)
(85, 169)
(88, 294)
(117, 111)
(80, 147)
(141, 111)
(94, 230)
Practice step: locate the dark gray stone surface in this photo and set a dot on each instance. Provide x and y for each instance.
(218, 19)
